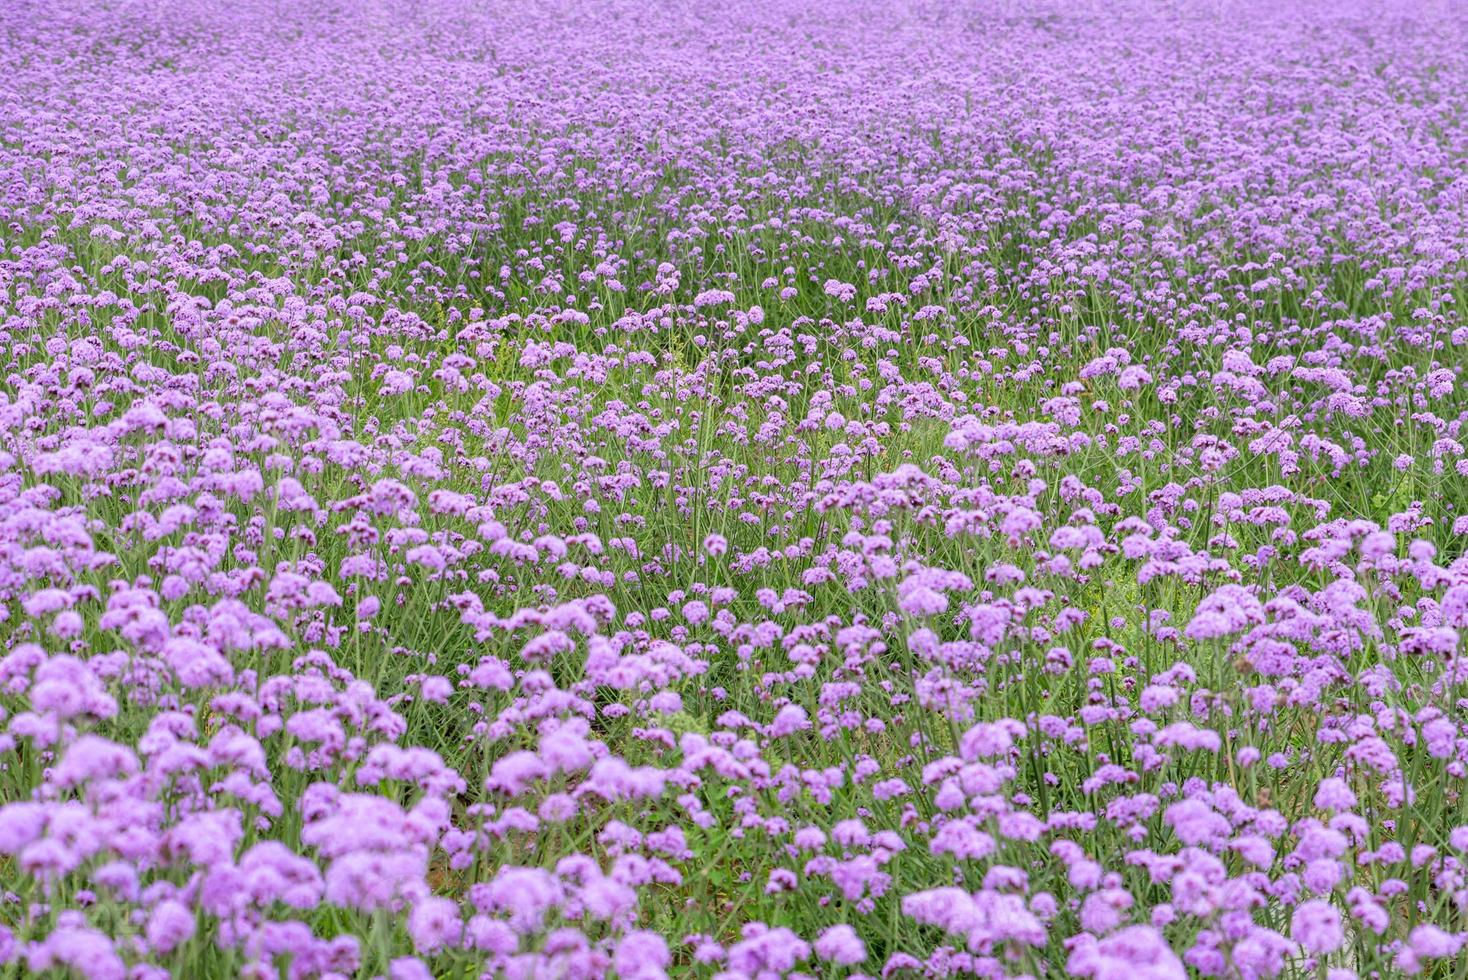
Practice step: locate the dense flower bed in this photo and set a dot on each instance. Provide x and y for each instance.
(758, 489)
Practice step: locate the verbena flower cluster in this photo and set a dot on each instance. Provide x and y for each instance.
(776, 488)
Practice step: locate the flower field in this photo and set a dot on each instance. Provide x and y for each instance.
(776, 488)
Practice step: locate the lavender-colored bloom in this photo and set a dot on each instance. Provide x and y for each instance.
(170, 924)
(1136, 951)
(641, 956)
(841, 945)
(1316, 926)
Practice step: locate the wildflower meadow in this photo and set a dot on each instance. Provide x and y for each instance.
(750, 489)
